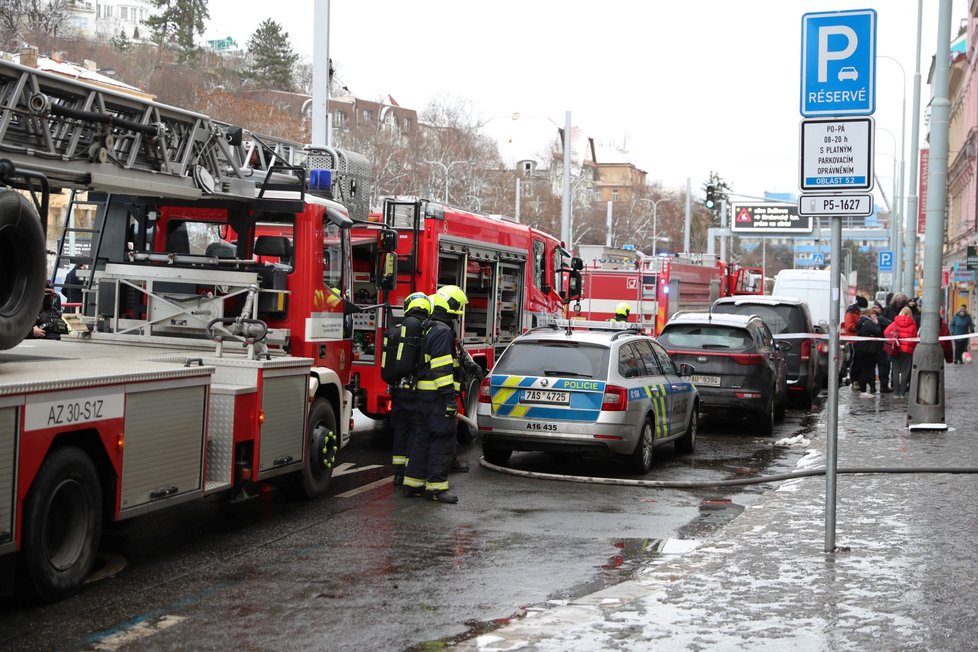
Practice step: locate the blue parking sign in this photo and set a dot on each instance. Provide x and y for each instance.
(838, 55)
(885, 261)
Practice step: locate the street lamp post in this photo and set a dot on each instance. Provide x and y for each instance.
(446, 169)
(898, 261)
(655, 222)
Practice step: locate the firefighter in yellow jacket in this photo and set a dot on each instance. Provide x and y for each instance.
(433, 406)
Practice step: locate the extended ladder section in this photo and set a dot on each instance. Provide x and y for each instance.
(87, 137)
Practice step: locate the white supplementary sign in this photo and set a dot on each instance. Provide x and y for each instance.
(840, 205)
(837, 154)
(60, 409)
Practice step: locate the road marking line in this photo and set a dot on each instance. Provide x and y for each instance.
(136, 632)
(340, 468)
(343, 471)
(366, 487)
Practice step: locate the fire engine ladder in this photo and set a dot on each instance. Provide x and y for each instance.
(87, 137)
(67, 241)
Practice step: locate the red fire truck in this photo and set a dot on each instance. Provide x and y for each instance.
(208, 356)
(515, 277)
(656, 287)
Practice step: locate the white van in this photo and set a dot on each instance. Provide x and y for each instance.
(812, 286)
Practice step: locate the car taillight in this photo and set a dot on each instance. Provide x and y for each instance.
(485, 391)
(615, 399)
(823, 347)
(806, 349)
(747, 358)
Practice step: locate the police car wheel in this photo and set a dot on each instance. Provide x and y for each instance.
(22, 268)
(497, 456)
(323, 447)
(466, 433)
(687, 443)
(62, 525)
(641, 459)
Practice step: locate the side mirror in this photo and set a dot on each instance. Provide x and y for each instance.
(686, 370)
(388, 240)
(574, 286)
(783, 345)
(388, 273)
(547, 289)
(577, 264)
(818, 329)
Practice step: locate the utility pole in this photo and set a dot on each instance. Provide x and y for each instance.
(926, 404)
(910, 225)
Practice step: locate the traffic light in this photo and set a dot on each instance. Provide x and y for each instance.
(711, 196)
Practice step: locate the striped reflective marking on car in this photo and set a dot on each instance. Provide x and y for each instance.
(585, 398)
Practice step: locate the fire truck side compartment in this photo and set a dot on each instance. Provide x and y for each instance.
(8, 475)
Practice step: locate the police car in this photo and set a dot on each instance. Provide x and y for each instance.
(595, 390)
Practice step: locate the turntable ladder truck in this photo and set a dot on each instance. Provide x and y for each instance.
(205, 359)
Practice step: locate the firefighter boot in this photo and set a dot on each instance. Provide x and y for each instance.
(441, 497)
(458, 466)
(398, 475)
(413, 492)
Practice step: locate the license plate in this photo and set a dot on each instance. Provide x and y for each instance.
(545, 396)
(705, 380)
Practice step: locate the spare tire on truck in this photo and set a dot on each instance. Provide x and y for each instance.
(23, 267)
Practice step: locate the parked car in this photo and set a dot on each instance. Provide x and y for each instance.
(739, 366)
(610, 392)
(788, 318)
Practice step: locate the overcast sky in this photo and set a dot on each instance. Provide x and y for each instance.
(685, 86)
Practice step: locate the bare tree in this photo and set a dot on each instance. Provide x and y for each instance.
(26, 20)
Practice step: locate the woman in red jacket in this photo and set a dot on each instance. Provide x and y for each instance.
(902, 329)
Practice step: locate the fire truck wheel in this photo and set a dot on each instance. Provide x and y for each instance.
(62, 525)
(466, 433)
(324, 444)
(22, 268)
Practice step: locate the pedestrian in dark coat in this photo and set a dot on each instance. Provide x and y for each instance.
(961, 324)
(883, 358)
(866, 352)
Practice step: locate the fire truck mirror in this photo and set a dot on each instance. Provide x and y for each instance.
(388, 275)
(574, 283)
(577, 263)
(388, 240)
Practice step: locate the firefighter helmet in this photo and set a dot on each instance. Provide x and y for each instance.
(622, 310)
(454, 297)
(418, 301)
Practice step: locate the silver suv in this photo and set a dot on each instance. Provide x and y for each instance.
(568, 389)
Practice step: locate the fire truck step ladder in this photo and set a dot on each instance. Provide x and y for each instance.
(68, 241)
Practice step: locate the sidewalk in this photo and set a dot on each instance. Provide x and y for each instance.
(904, 575)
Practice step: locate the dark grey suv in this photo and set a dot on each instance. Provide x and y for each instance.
(738, 366)
(788, 318)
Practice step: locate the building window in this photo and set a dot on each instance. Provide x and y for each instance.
(368, 115)
(124, 13)
(407, 125)
(614, 195)
(339, 119)
(527, 167)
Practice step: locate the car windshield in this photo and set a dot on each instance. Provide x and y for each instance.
(537, 358)
(780, 319)
(705, 336)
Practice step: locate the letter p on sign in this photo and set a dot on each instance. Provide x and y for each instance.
(825, 54)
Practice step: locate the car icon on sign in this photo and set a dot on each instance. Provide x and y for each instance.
(848, 72)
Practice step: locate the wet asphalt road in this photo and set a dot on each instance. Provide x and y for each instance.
(369, 569)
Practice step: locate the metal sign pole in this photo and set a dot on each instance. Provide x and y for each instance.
(835, 360)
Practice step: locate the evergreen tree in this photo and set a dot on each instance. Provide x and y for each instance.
(121, 41)
(272, 59)
(178, 22)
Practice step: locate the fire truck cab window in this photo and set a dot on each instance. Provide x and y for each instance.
(184, 237)
(559, 263)
(539, 264)
(333, 276)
